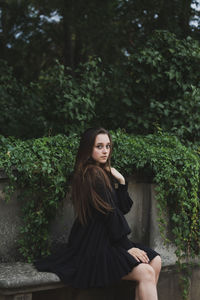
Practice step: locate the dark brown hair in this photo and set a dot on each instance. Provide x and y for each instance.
(87, 174)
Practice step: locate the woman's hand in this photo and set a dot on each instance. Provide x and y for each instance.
(139, 255)
(117, 175)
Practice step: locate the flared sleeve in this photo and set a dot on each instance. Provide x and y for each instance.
(124, 201)
(116, 225)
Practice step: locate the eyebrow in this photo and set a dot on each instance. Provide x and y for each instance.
(102, 143)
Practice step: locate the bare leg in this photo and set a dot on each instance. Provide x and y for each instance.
(144, 274)
(156, 265)
(136, 293)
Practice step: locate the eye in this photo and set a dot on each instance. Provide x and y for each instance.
(101, 146)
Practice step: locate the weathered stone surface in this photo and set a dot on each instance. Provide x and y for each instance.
(140, 214)
(122, 291)
(195, 286)
(18, 275)
(26, 296)
(155, 240)
(169, 288)
(142, 219)
(61, 226)
(110, 293)
(9, 226)
(16, 278)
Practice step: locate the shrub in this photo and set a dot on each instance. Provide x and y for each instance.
(57, 103)
(158, 86)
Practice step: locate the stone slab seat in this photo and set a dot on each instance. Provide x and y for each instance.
(21, 281)
(22, 278)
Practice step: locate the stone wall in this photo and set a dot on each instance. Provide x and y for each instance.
(9, 224)
(142, 219)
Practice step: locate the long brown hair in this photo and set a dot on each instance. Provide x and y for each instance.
(87, 175)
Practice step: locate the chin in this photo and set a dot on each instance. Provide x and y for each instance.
(102, 163)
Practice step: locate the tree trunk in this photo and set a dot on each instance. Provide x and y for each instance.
(184, 17)
(68, 47)
(3, 26)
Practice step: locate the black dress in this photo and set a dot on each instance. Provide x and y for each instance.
(96, 254)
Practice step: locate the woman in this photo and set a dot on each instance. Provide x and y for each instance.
(98, 252)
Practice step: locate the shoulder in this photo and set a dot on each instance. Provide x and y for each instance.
(96, 177)
(94, 172)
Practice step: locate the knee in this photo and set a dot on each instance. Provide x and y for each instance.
(148, 274)
(143, 273)
(156, 263)
(158, 259)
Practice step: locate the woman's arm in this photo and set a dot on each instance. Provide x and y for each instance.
(124, 200)
(139, 255)
(120, 178)
(116, 225)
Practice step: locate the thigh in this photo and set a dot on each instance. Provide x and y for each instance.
(139, 272)
(156, 265)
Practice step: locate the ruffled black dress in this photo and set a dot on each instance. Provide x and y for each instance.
(96, 254)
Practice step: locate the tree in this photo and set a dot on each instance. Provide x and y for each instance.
(73, 31)
(157, 87)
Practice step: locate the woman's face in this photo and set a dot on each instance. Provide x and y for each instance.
(101, 148)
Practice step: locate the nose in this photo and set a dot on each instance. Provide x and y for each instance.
(105, 150)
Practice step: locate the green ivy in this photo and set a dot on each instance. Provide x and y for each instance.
(41, 170)
(175, 170)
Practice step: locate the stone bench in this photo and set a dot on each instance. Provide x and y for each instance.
(21, 281)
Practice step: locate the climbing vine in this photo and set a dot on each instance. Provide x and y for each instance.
(41, 168)
(175, 170)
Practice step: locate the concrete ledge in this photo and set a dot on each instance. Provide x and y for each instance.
(21, 281)
(169, 288)
(23, 277)
(123, 291)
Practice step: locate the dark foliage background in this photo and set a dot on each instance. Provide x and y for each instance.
(66, 65)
